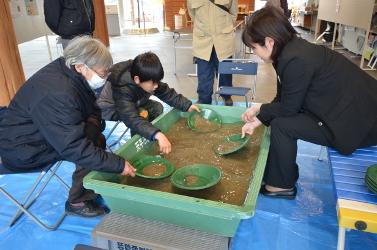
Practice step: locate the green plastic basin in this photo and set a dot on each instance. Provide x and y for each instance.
(231, 144)
(201, 214)
(147, 161)
(205, 121)
(196, 177)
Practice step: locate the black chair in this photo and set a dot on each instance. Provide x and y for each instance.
(39, 185)
(238, 67)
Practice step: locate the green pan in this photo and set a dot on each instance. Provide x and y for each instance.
(196, 177)
(371, 180)
(153, 167)
(372, 172)
(205, 121)
(230, 144)
(371, 184)
(371, 187)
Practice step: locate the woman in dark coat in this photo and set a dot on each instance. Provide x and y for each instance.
(321, 98)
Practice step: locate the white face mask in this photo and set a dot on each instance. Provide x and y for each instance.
(96, 81)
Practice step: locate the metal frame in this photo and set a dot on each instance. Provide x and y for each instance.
(178, 35)
(109, 146)
(33, 194)
(236, 68)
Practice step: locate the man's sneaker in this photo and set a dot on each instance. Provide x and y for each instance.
(100, 202)
(228, 101)
(88, 209)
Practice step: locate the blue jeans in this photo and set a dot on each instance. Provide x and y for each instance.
(206, 75)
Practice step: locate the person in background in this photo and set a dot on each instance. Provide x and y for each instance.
(286, 10)
(54, 117)
(322, 98)
(281, 5)
(68, 18)
(213, 41)
(273, 3)
(126, 97)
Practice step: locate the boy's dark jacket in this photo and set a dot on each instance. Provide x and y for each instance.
(124, 98)
(70, 18)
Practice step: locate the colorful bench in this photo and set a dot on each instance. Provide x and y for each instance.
(356, 205)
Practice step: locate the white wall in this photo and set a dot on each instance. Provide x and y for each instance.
(260, 4)
(27, 27)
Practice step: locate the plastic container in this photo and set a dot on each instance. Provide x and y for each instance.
(196, 177)
(236, 142)
(147, 161)
(178, 21)
(205, 121)
(201, 214)
(371, 178)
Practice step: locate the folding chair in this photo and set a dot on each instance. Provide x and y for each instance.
(109, 146)
(237, 67)
(41, 181)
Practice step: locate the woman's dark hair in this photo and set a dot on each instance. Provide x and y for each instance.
(268, 22)
(147, 66)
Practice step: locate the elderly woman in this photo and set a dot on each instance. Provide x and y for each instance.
(54, 117)
(321, 98)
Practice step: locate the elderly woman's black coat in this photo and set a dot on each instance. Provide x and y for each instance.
(45, 122)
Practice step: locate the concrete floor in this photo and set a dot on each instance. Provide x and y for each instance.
(34, 55)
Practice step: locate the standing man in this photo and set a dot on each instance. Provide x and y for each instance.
(213, 41)
(68, 18)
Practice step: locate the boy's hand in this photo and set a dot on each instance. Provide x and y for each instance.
(163, 142)
(193, 107)
(128, 169)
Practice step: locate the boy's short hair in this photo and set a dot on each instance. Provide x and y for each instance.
(147, 66)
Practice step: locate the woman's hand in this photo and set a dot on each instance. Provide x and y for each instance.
(251, 112)
(128, 169)
(193, 107)
(163, 142)
(249, 127)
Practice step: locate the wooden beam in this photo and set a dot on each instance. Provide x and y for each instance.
(100, 31)
(11, 72)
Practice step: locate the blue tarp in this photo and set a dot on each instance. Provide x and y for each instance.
(309, 222)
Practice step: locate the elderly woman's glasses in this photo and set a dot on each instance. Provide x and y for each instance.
(103, 74)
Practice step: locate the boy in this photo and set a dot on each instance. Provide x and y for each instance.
(126, 97)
